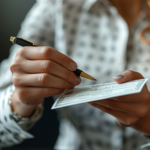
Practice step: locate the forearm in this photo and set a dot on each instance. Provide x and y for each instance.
(144, 124)
(21, 109)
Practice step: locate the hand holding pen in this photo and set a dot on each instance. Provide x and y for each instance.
(40, 72)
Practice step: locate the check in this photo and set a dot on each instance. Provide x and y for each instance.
(98, 92)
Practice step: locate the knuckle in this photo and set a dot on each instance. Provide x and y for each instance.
(134, 74)
(69, 76)
(16, 81)
(43, 79)
(21, 52)
(47, 92)
(132, 121)
(50, 66)
(131, 73)
(143, 112)
(129, 122)
(65, 85)
(13, 66)
(122, 124)
(45, 51)
(47, 66)
(22, 94)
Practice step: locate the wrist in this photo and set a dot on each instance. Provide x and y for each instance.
(20, 108)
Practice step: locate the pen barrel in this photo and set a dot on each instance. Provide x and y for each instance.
(22, 42)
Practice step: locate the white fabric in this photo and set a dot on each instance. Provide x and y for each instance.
(94, 35)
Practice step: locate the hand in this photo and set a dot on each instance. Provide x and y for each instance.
(40, 72)
(130, 109)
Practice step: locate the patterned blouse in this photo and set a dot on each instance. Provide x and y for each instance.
(93, 34)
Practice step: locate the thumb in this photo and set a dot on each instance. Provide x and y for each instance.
(128, 75)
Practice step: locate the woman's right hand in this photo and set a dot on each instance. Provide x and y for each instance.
(40, 72)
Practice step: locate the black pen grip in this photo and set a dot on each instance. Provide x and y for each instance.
(21, 42)
(77, 72)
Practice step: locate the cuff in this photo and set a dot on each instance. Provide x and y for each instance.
(9, 122)
(25, 123)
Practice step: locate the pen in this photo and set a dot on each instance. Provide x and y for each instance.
(23, 42)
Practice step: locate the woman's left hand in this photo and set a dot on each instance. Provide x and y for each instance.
(130, 109)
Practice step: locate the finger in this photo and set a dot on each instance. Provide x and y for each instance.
(34, 95)
(124, 118)
(121, 124)
(47, 53)
(142, 97)
(138, 109)
(50, 67)
(128, 75)
(41, 80)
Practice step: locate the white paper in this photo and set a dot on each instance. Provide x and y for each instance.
(98, 92)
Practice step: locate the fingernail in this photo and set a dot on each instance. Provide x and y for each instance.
(77, 79)
(72, 66)
(120, 76)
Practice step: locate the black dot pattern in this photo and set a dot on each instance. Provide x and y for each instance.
(9, 129)
(97, 39)
(5, 118)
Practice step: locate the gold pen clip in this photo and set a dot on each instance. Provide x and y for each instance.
(12, 38)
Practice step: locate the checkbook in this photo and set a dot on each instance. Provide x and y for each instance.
(98, 92)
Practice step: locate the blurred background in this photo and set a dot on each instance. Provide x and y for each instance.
(12, 13)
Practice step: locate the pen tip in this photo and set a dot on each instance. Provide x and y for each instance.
(95, 79)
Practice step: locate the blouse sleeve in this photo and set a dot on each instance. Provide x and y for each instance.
(37, 27)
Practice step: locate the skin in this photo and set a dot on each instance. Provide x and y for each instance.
(132, 110)
(129, 10)
(40, 72)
